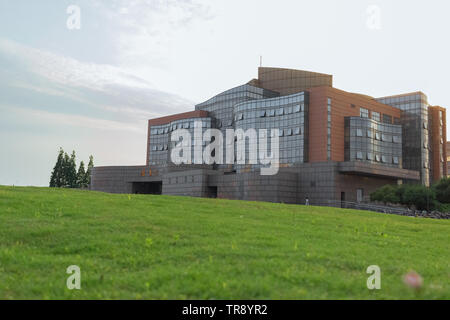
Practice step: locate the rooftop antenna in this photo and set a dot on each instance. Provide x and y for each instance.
(260, 61)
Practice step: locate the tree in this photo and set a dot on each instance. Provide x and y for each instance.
(89, 170)
(72, 171)
(421, 197)
(81, 176)
(386, 194)
(57, 176)
(442, 189)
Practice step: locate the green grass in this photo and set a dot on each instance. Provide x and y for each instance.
(162, 247)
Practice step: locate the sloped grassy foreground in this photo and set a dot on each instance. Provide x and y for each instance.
(161, 247)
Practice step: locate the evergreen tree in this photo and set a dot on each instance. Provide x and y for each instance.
(89, 170)
(66, 171)
(81, 176)
(57, 177)
(72, 171)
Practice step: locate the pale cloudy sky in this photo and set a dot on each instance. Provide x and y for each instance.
(93, 89)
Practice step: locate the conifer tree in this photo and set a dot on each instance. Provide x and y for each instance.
(81, 176)
(89, 170)
(72, 171)
(66, 171)
(57, 176)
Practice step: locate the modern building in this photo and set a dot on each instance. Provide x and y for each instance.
(333, 145)
(448, 159)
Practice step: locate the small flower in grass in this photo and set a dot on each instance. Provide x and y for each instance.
(413, 280)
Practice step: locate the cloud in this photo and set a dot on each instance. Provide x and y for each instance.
(145, 28)
(99, 86)
(46, 118)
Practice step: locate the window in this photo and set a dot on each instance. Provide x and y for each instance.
(397, 139)
(359, 155)
(377, 158)
(396, 120)
(280, 133)
(376, 116)
(395, 160)
(271, 113)
(297, 131)
(387, 118)
(288, 132)
(363, 113)
(280, 112)
(377, 136)
(383, 159)
(154, 148)
(359, 195)
(240, 116)
(425, 125)
(359, 133)
(369, 133)
(386, 138)
(370, 156)
(297, 108)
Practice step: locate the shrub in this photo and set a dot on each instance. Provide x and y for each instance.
(442, 189)
(421, 197)
(386, 194)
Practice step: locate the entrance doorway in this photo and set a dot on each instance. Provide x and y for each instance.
(147, 187)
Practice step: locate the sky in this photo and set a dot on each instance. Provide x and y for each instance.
(86, 75)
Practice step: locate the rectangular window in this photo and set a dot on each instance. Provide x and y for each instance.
(280, 112)
(271, 113)
(297, 108)
(387, 118)
(359, 195)
(359, 133)
(363, 113)
(369, 133)
(397, 139)
(395, 160)
(297, 131)
(377, 136)
(370, 156)
(359, 155)
(376, 116)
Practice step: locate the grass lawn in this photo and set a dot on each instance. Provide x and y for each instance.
(162, 247)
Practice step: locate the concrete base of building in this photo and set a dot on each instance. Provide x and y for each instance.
(319, 182)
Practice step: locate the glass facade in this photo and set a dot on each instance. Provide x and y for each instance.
(416, 135)
(221, 106)
(289, 114)
(373, 141)
(160, 139)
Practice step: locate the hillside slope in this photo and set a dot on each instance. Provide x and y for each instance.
(161, 247)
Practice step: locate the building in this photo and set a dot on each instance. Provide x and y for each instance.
(333, 145)
(448, 159)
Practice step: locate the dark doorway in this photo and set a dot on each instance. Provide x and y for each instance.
(147, 187)
(212, 192)
(342, 199)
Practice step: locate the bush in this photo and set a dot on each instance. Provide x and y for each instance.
(442, 189)
(386, 194)
(421, 197)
